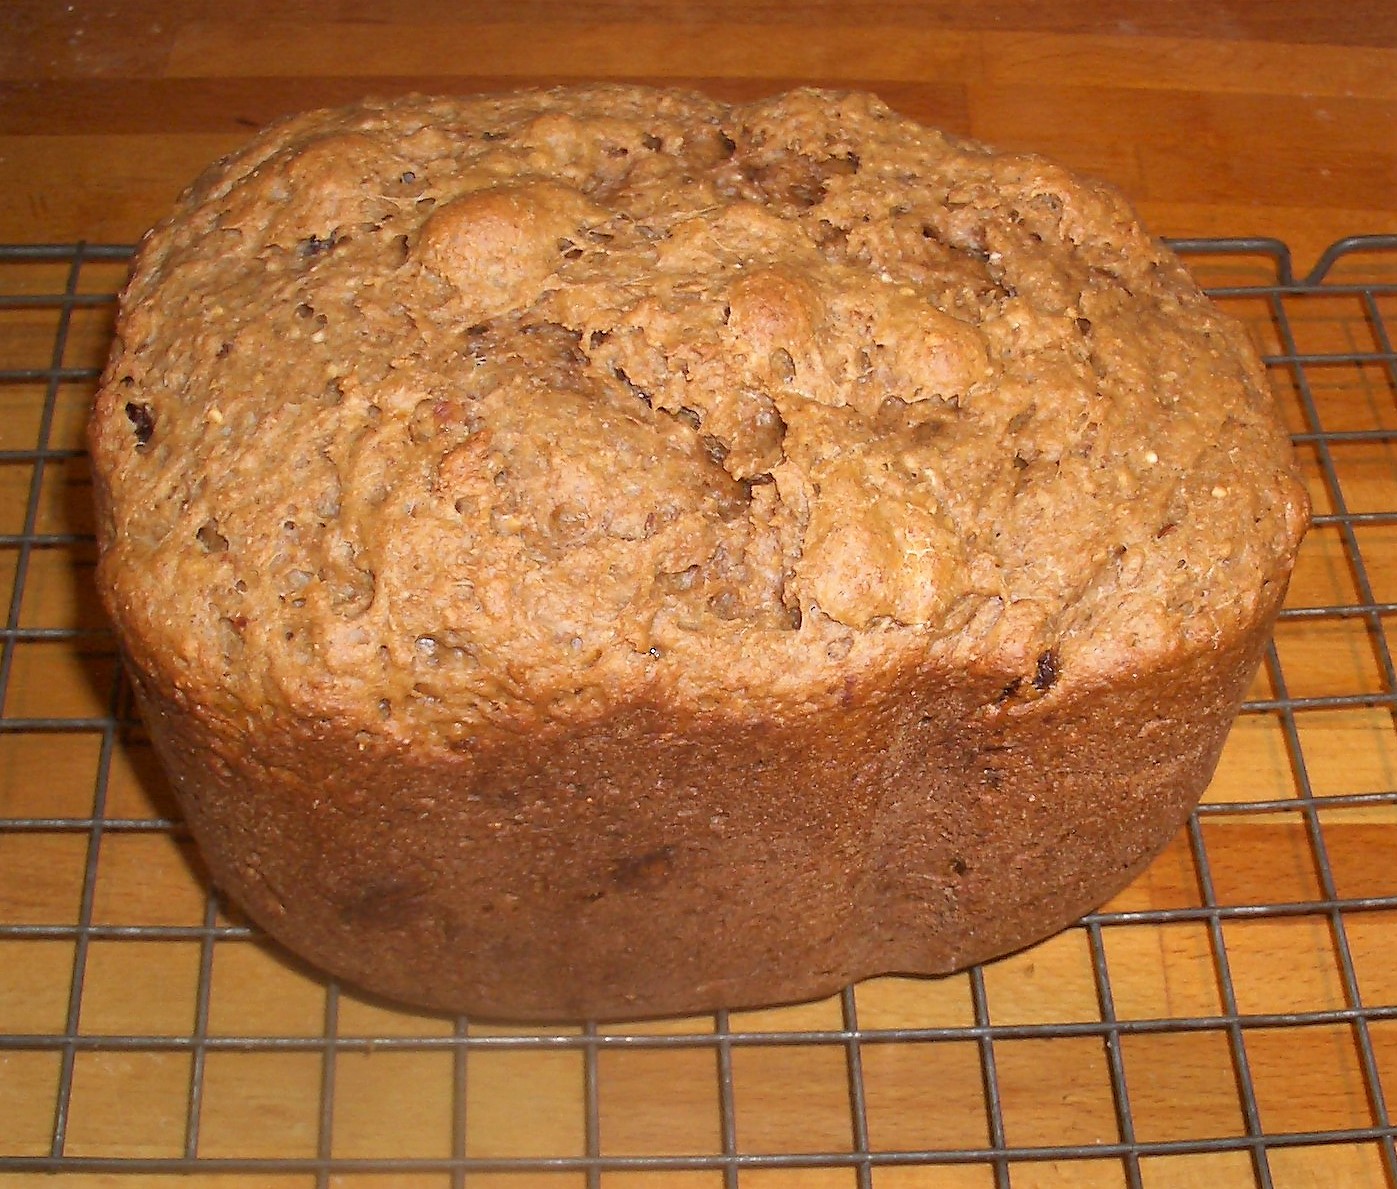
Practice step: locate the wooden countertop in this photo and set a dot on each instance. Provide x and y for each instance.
(1264, 1007)
(1218, 117)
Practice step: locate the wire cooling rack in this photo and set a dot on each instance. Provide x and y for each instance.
(1231, 1019)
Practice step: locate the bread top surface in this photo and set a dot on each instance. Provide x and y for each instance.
(432, 412)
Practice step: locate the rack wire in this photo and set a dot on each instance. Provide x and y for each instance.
(1231, 1019)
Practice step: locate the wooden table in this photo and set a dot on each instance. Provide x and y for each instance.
(1239, 999)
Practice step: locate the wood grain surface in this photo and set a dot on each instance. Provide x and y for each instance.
(1248, 1012)
(1237, 118)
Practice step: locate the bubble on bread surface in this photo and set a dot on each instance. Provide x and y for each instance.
(497, 247)
(894, 560)
(326, 182)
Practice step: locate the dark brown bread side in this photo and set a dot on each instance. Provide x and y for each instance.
(605, 553)
(652, 866)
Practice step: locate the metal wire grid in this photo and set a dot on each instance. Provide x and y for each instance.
(862, 1159)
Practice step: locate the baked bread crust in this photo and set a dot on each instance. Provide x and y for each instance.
(603, 552)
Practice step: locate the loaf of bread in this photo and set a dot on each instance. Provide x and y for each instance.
(603, 552)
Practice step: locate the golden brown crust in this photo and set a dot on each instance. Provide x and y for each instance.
(554, 475)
